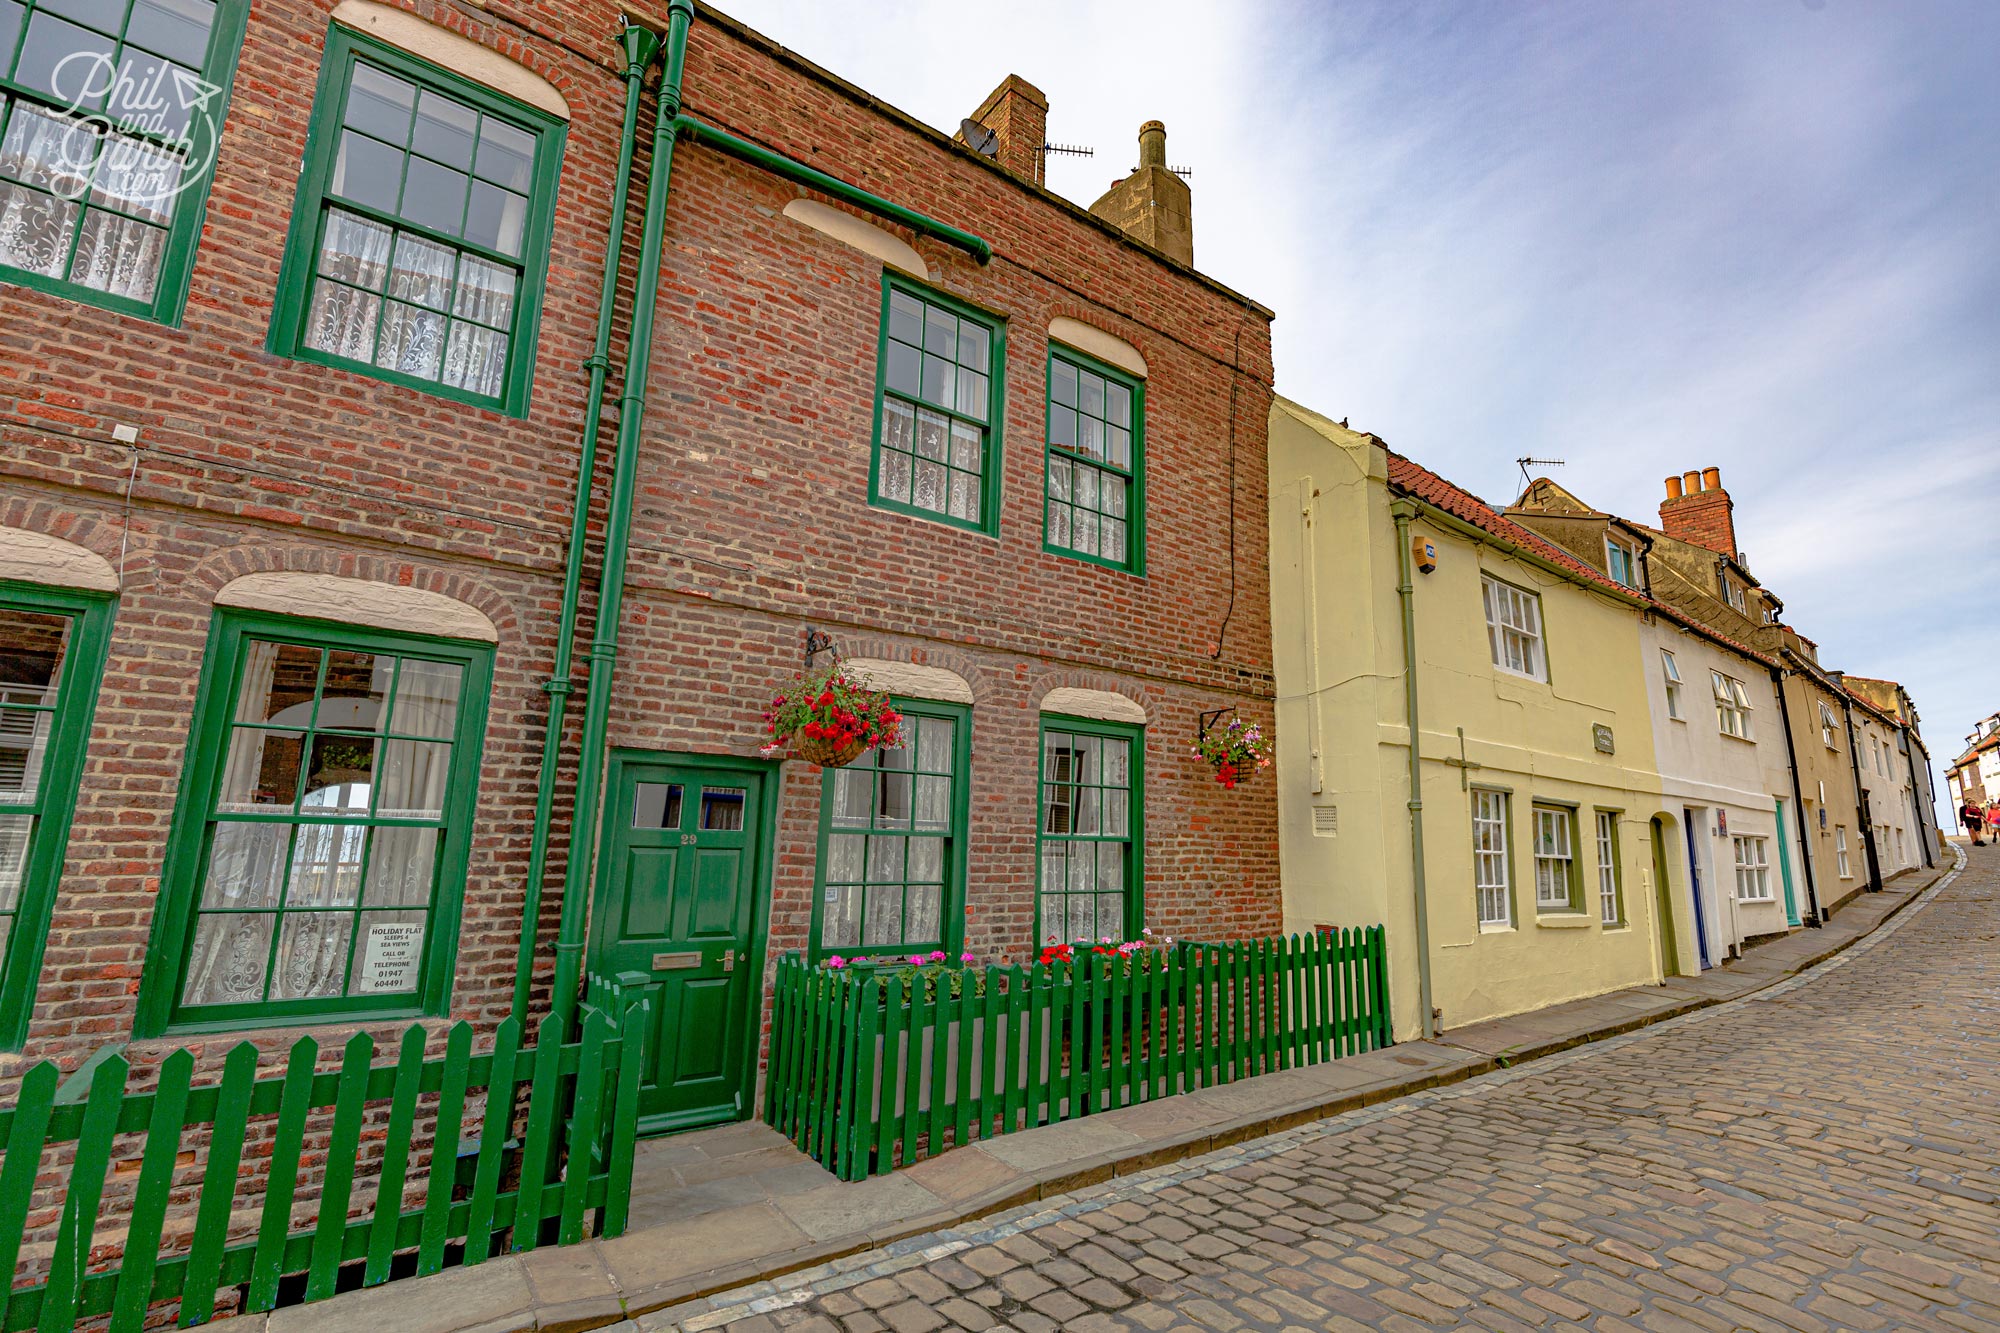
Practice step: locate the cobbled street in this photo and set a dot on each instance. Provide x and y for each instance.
(1823, 1156)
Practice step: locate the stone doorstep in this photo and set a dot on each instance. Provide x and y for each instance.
(1210, 1128)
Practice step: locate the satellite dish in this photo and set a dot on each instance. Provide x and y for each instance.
(979, 139)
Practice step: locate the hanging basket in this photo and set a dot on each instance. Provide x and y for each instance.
(1239, 747)
(826, 753)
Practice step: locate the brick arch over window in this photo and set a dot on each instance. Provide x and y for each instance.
(1086, 328)
(28, 556)
(218, 570)
(1106, 347)
(359, 602)
(453, 49)
(893, 661)
(1086, 694)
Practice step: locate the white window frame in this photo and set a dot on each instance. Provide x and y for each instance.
(1492, 864)
(1732, 706)
(1614, 553)
(1826, 726)
(1610, 907)
(1514, 628)
(1753, 869)
(1733, 594)
(1558, 865)
(1670, 672)
(1840, 851)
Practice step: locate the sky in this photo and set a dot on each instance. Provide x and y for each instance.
(1760, 235)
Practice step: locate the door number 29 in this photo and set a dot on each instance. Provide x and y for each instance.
(687, 839)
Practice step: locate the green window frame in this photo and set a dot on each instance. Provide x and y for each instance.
(52, 647)
(322, 830)
(1094, 492)
(940, 397)
(1557, 858)
(890, 879)
(1090, 831)
(420, 233)
(111, 114)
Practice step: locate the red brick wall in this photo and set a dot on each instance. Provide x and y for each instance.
(1703, 518)
(752, 516)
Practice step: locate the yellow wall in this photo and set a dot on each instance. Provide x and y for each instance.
(1343, 740)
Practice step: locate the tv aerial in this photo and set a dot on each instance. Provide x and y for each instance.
(1525, 463)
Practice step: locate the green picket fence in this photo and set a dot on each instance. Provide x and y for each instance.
(874, 1069)
(178, 1213)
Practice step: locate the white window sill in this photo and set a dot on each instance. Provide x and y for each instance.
(1496, 928)
(1512, 674)
(1555, 920)
(1747, 740)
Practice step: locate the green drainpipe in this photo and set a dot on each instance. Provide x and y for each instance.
(1406, 589)
(641, 45)
(618, 530)
(668, 125)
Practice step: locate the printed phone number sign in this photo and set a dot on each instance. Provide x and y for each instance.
(390, 958)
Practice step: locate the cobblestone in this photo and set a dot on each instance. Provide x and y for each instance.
(1825, 1155)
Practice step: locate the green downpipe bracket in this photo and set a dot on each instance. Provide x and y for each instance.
(1406, 590)
(641, 46)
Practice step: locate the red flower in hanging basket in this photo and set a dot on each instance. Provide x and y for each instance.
(1237, 751)
(827, 717)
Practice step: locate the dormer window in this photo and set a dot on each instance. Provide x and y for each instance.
(1621, 563)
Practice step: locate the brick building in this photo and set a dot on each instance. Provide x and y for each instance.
(290, 458)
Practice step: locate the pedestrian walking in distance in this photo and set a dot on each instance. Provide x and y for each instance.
(1974, 821)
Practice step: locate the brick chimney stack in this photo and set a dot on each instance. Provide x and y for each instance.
(1153, 204)
(1698, 510)
(1018, 112)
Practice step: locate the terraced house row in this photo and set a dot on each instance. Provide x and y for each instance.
(1558, 750)
(343, 438)
(434, 433)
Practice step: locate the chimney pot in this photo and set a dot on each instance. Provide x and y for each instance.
(1698, 510)
(1152, 204)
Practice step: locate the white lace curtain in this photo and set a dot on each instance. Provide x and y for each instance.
(57, 169)
(229, 958)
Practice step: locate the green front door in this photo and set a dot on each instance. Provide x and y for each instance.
(679, 896)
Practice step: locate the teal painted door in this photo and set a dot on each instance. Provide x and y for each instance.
(676, 903)
(1785, 865)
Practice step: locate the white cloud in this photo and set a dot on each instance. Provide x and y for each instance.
(1639, 239)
